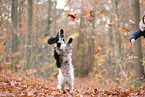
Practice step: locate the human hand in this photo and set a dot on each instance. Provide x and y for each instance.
(141, 29)
(132, 40)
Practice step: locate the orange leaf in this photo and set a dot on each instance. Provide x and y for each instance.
(121, 61)
(87, 11)
(8, 34)
(110, 25)
(96, 52)
(91, 20)
(16, 54)
(18, 66)
(4, 29)
(127, 30)
(102, 11)
(24, 33)
(96, 2)
(72, 16)
(22, 27)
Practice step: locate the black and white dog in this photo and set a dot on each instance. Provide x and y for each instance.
(62, 54)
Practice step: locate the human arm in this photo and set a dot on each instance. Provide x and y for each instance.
(136, 35)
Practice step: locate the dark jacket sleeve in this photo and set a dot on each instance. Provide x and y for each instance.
(136, 35)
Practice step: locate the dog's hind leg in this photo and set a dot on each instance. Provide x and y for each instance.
(61, 81)
(61, 86)
(71, 86)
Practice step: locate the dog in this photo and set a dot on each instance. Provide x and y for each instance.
(63, 52)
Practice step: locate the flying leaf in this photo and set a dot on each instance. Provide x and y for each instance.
(90, 16)
(102, 11)
(4, 29)
(110, 25)
(87, 11)
(24, 33)
(121, 61)
(96, 1)
(91, 20)
(8, 34)
(22, 27)
(73, 17)
(122, 30)
(18, 66)
(127, 30)
(96, 52)
(16, 54)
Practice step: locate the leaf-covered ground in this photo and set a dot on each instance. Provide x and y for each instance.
(15, 85)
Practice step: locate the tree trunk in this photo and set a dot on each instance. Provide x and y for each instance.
(55, 18)
(29, 32)
(91, 45)
(110, 44)
(14, 16)
(118, 35)
(80, 51)
(1, 18)
(139, 71)
(49, 18)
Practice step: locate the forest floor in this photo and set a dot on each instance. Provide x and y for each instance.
(16, 85)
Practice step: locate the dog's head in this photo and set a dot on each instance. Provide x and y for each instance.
(62, 47)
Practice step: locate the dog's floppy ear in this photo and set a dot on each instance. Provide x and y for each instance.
(70, 41)
(58, 44)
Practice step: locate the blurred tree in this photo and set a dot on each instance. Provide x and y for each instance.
(91, 42)
(1, 19)
(81, 69)
(14, 16)
(29, 33)
(118, 35)
(50, 4)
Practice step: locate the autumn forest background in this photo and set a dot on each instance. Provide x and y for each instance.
(101, 52)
